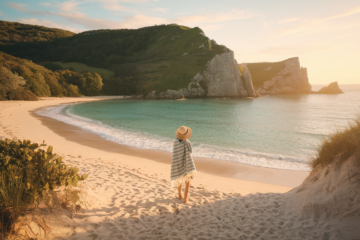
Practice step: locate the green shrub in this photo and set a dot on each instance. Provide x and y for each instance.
(342, 144)
(22, 94)
(9, 80)
(39, 86)
(27, 173)
(91, 84)
(72, 91)
(15, 72)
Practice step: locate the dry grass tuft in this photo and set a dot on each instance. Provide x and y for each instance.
(343, 144)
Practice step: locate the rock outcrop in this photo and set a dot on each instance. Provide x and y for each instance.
(221, 78)
(333, 88)
(290, 78)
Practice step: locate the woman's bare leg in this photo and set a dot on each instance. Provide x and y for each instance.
(179, 189)
(187, 185)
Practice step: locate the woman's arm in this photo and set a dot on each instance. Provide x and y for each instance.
(188, 145)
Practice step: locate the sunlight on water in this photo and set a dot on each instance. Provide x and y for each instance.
(274, 131)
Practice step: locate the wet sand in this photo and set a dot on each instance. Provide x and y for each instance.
(287, 178)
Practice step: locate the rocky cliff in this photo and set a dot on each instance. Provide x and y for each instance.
(221, 78)
(286, 77)
(165, 61)
(333, 88)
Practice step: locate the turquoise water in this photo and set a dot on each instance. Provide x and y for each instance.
(274, 131)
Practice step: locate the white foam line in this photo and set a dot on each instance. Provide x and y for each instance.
(148, 141)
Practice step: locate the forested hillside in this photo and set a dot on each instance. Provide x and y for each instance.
(22, 79)
(150, 58)
(16, 36)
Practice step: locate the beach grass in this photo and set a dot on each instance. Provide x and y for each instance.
(342, 144)
(80, 68)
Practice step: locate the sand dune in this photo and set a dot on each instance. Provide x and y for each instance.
(130, 204)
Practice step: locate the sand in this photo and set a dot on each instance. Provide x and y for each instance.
(128, 193)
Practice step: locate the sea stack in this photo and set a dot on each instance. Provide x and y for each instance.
(333, 88)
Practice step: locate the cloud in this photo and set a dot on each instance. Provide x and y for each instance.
(216, 17)
(123, 1)
(309, 26)
(164, 10)
(289, 20)
(22, 8)
(69, 14)
(211, 27)
(117, 7)
(296, 50)
(142, 20)
(135, 21)
(49, 24)
(69, 6)
(347, 13)
(112, 5)
(265, 24)
(45, 4)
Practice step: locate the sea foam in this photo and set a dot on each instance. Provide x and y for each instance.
(150, 141)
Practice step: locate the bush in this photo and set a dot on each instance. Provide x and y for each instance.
(91, 84)
(27, 173)
(22, 94)
(10, 80)
(342, 144)
(72, 91)
(39, 86)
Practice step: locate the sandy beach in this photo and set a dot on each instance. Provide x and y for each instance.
(128, 194)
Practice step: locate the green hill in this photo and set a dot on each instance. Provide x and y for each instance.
(13, 33)
(150, 58)
(80, 68)
(264, 71)
(22, 79)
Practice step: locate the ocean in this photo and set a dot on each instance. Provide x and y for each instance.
(282, 132)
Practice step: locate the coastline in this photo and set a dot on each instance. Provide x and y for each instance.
(127, 194)
(70, 140)
(227, 169)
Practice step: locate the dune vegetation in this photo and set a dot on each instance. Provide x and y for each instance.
(339, 146)
(29, 174)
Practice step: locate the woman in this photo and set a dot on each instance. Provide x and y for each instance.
(182, 165)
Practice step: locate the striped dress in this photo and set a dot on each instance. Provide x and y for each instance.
(182, 165)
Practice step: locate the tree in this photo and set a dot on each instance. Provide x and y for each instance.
(91, 84)
(72, 91)
(38, 85)
(10, 81)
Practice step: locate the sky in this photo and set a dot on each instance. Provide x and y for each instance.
(324, 34)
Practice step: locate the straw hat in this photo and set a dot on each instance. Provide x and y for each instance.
(183, 133)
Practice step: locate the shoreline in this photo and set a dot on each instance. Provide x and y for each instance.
(127, 194)
(215, 167)
(17, 120)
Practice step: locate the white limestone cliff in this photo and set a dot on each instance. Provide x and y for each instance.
(221, 78)
(292, 79)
